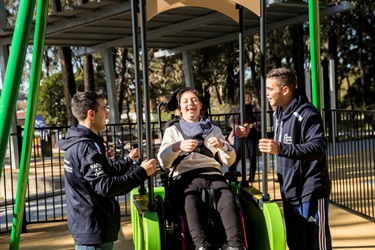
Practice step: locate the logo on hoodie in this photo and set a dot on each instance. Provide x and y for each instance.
(97, 168)
(287, 139)
(67, 166)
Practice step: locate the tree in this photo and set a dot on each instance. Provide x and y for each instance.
(88, 69)
(354, 42)
(65, 56)
(346, 37)
(51, 101)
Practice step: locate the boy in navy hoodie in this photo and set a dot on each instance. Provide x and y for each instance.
(300, 146)
(91, 181)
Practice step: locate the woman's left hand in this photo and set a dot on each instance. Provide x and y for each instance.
(215, 142)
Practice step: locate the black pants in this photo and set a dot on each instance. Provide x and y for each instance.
(225, 204)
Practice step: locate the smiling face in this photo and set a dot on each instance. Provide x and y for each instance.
(247, 98)
(273, 92)
(190, 106)
(277, 94)
(280, 87)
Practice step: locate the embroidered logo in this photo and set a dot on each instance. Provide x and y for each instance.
(287, 139)
(311, 219)
(97, 168)
(67, 166)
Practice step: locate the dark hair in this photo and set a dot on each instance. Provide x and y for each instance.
(83, 102)
(285, 77)
(188, 89)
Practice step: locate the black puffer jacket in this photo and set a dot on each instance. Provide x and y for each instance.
(302, 166)
(91, 184)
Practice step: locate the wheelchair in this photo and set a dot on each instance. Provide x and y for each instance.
(174, 231)
(162, 226)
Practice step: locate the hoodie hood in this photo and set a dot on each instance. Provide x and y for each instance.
(77, 134)
(298, 100)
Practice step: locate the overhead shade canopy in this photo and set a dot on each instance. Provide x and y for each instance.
(102, 24)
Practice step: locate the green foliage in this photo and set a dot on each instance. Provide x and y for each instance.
(224, 108)
(99, 75)
(51, 101)
(347, 37)
(79, 80)
(165, 75)
(353, 34)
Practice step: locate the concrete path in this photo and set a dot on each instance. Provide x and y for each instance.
(349, 231)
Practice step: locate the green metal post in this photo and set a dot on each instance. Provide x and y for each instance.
(39, 35)
(13, 73)
(315, 53)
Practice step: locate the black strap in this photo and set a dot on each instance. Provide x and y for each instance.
(202, 149)
(207, 193)
(197, 171)
(191, 174)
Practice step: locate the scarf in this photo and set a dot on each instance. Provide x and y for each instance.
(194, 129)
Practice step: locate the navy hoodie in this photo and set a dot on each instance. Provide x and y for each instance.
(302, 165)
(91, 185)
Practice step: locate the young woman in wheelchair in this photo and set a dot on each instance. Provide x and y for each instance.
(195, 150)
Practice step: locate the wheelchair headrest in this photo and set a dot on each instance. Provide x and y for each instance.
(172, 102)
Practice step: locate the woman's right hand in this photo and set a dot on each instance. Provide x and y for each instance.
(185, 145)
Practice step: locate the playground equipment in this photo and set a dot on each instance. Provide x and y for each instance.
(144, 200)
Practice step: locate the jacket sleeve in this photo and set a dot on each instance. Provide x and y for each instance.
(121, 166)
(312, 143)
(166, 156)
(96, 171)
(233, 119)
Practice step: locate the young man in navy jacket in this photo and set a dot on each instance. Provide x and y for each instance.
(300, 146)
(91, 181)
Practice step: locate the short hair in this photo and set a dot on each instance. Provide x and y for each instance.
(285, 77)
(83, 102)
(188, 89)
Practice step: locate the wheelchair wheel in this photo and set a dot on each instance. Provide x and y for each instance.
(160, 210)
(244, 219)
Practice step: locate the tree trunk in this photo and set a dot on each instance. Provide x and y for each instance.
(121, 80)
(46, 61)
(252, 64)
(88, 74)
(88, 69)
(230, 81)
(298, 55)
(362, 87)
(68, 80)
(65, 56)
(277, 48)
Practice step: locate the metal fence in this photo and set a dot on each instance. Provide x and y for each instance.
(351, 150)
